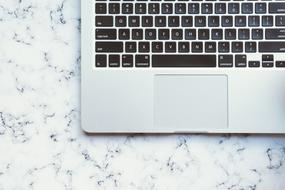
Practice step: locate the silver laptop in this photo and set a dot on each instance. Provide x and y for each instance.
(179, 66)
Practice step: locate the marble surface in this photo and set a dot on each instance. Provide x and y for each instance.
(43, 147)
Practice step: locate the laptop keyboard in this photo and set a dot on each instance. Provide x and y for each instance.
(183, 33)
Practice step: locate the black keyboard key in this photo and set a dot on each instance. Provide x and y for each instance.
(144, 47)
(180, 8)
(254, 63)
(250, 47)
(225, 60)
(203, 34)
(150, 34)
(130, 47)
(257, 34)
(167, 8)
(190, 34)
(210, 47)
(173, 21)
(147, 21)
(220, 8)
(100, 8)
(170, 47)
(121, 21)
(106, 34)
(247, 8)
(267, 21)
(227, 21)
(237, 47)
(207, 8)
(260, 8)
(163, 34)
(240, 60)
(183, 47)
(104, 21)
(124, 34)
(280, 20)
(134, 21)
(187, 21)
(230, 34)
(106, 47)
(127, 60)
(177, 34)
(114, 8)
(243, 34)
(267, 64)
(137, 34)
(267, 60)
(157, 47)
(184, 60)
(272, 46)
(275, 34)
(114, 60)
(142, 60)
(160, 21)
(267, 57)
(233, 8)
(127, 8)
(213, 21)
(101, 60)
(153, 8)
(240, 21)
(193, 8)
(253, 21)
(277, 8)
(280, 63)
(197, 47)
(200, 21)
(223, 47)
(217, 34)
(140, 8)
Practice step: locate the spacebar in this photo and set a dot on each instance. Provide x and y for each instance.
(184, 60)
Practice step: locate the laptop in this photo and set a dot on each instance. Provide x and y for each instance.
(183, 66)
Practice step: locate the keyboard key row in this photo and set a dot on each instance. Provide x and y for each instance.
(194, 47)
(190, 8)
(188, 34)
(241, 61)
(126, 60)
(170, 60)
(189, 21)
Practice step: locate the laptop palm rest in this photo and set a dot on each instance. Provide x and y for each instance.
(191, 102)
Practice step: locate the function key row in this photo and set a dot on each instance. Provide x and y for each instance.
(189, 21)
(190, 8)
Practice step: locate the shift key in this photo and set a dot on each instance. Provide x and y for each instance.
(106, 47)
(272, 46)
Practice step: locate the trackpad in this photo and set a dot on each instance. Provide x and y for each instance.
(191, 102)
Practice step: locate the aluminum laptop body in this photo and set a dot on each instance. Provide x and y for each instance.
(187, 94)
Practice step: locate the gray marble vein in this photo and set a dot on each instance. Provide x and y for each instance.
(43, 147)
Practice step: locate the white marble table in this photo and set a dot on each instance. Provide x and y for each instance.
(43, 147)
